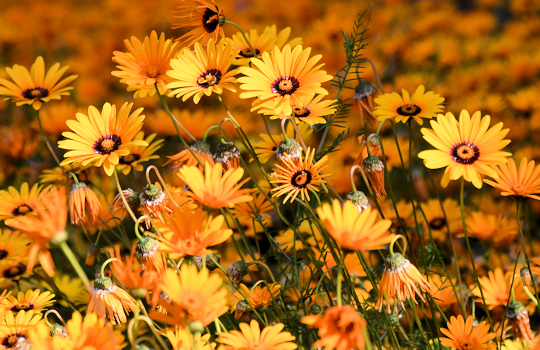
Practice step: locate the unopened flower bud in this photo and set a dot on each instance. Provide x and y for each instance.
(132, 199)
(241, 307)
(526, 277)
(196, 327)
(359, 199)
(151, 195)
(315, 309)
(288, 148)
(237, 271)
(91, 254)
(374, 168)
(59, 330)
(210, 264)
(228, 155)
(364, 94)
(146, 248)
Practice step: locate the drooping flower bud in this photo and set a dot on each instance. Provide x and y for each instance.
(288, 148)
(526, 277)
(228, 155)
(237, 271)
(59, 330)
(81, 198)
(241, 307)
(132, 198)
(91, 254)
(359, 199)
(364, 94)
(210, 264)
(374, 169)
(518, 315)
(153, 202)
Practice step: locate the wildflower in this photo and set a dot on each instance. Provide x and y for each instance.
(15, 203)
(296, 178)
(47, 225)
(35, 87)
(148, 253)
(188, 232)
(71, 287)
(108, 299)
(207, 20)
(139, 154)
(364, 95)
(153, 202)
(199, 149)
(374, 169)
(132, 198)
(131, 273)
(181, 339)
(462, 335)
(466, 148)
(355, 230)
(82, 197)
(12, 247)
(32, 300)
(341, 328)
(201, 73)
(289, 150)
(499, 230)
(260, 43)
(311, 110)
(102, 138)
(496, 288)
(90, 332)
(519, 317)
(437, 221)
(228, 155)
(214, 188)
(417, 106)
(195, 296)
(260, 296)
(522, 182)
(14, 329)
(251, 337)
(55, 116)
(399, 282)
(281, 89)
(146, 64)
(14, 270)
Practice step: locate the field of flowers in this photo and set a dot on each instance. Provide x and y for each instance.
(269, 175)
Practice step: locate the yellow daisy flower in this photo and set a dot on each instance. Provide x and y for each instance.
(35, 87)
(139, 154)
(251, 337)
(462, 334)
(31, 300)
(207, 20)
(521, 182)
(311, 110)
(14, 329)
(15, 203)
(466, 148)
(417, 106)
(102, 138)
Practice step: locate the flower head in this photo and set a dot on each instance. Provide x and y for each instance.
(466, 148)
(311, 110)
(496, 288)
(15, 203)
(214, 188)
(522, 182)
(355, 230)
(462, 335)
(109, 299)
(35, 87)
(130, 272)
(280, 89)
(296, 178)
(15, 328)
(496, 229)
(340, 328)
(417, 106)
(82, 197)
(251, 337)
(202, 72)
(146, 64)
(139, 154)
(207, 20)
(32, 300)
(260, 296)
(198, 150)
(102, 138)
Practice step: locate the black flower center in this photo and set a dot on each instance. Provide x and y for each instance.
(130, 158)
(22, 209)
(247, 53)
(14, 271)
(11, 340)
(3, 254)
(22, 306)
(153, 72)
(409, 110)
(301, 112)
(465, 153)
(209, 78)
(107, 144)
(437, 223)
(35, 93)
(301, 179)
(285, 86)
(210, 20)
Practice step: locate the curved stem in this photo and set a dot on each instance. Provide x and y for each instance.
(283, 121)
(137, 223)
(57, 315)
(208, 131)
(105, 264)
(73, 176)
(153, 167)
(245, 38)
(124, 200)
(376, 74)
(351, 175)
(403, 249)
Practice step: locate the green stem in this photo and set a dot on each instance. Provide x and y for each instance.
(340, 272)
(76, 266)
(128, 208)
(245, 38)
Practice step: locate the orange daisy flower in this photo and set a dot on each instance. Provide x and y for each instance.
(355, 230)
(496, 288)
(200, 149)
(207, 20)
(146, 64)
(522, 182)
(214, 188)
(109, 299)
(260, 296)
(130, 272)
(190, 232)
(340, 328)
(462, 335)
(251, 337)
(35, 87)
(399, 282)
(297, 176)
(48, 224)
(82, 197)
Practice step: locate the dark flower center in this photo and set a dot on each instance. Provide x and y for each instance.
(22, 209)
(409, 110)
(246, 53)
(11, 340)
(301, 179)
(130, 158)
(3, 254)
(465, 153)
(14, 271)
(437, 223)
(210, 20)
(153, 72)
(35, 93)
(285, 86)
(274, 148)
(22, 306)
(107, 144)
(210, 78)
(301, 112)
